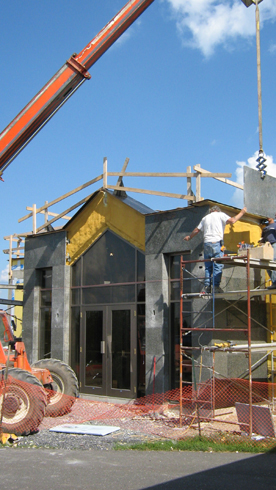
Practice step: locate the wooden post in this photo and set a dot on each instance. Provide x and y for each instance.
(198, 186)
(34, 219)
(10, 260)
(46, 213)
(189, 185)
(105, 173)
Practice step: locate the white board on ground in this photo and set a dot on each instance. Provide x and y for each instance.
(94, 430)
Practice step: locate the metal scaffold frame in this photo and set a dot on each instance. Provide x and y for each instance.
(234, 260)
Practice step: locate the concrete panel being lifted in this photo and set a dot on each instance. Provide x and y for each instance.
(259, 194)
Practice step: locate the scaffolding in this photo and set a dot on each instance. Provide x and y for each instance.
(187, 352)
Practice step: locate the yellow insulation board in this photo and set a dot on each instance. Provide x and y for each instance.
(241, 231)
(104, 212)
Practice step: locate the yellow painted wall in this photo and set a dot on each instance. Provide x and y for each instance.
(103, 212)
(18, 312)
(241, 231)
(18, 265)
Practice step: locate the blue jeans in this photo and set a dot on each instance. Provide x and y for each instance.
(213, 250)
(272, 274)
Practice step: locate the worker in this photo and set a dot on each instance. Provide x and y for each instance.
(269, 235)
(212, 227)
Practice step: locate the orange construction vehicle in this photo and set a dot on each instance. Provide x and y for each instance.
(63, 84)
(27, 393)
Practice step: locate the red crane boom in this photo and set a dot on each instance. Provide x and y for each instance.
(63, 84)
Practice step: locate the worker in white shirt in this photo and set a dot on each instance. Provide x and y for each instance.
(212, 227)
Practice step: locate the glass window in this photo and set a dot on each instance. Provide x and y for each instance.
(141, 351)
(93, 361)
(108, 295)
(76, 274)
(45, 313)
(109, 261)
(76, 283)
(121, 349)
(75, 340)
(141, 267)
(45, 333)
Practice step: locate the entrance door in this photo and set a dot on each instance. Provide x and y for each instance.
(108, 352)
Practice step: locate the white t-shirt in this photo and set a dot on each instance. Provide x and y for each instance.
(213, 226)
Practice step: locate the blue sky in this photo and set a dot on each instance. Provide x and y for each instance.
(179, 88)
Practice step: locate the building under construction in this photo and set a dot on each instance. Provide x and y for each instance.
(105, 293)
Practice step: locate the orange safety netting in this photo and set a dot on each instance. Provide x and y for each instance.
(218, 406)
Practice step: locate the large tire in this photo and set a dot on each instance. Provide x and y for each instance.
(63, 391)
(22, 401)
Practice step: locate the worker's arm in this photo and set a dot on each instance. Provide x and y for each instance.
(194, 233)
(237, 217)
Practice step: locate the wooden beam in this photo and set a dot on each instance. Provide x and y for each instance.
(55, 201)
(11, 286)
(120, 179)
(7, 250)
(30, 233)
(12, 302)
(48, 212)
(42, 227)
(151, 174)
(217, 177)
(15, 238)
(153, 193)
(166, 174)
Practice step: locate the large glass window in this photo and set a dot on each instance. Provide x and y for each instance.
(110, 272)
(76, 283)
(121, 349)
(109, 261)
(45, 313)
(75, 340)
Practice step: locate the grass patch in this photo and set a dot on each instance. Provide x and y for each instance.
(222, 444)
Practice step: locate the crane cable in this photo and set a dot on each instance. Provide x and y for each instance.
(261, 166)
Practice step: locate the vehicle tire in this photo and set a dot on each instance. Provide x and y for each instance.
(64, 389)
(22, 401)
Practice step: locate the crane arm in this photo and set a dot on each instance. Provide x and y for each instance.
(63, 84)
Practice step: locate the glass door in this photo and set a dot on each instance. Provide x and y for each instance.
(122, 348)
(109, 351)
(93, 371)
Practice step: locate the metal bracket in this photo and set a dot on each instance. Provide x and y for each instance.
(79, 67)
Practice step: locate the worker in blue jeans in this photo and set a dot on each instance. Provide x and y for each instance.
(212, 227)
(269, 235)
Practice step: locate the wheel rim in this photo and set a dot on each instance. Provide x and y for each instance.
(57, 389)
(15, 404)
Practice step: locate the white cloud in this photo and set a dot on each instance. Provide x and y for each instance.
(4, 275)
(272, 48)
(125, 37)
(206, 24)
(237, 198)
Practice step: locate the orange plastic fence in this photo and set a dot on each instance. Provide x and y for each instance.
(219, 406)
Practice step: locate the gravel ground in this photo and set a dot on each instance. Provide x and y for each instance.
(56, 440)
(134, 427)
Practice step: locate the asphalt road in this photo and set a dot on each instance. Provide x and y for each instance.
(44, 469)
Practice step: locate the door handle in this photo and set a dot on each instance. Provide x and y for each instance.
(102, 347)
